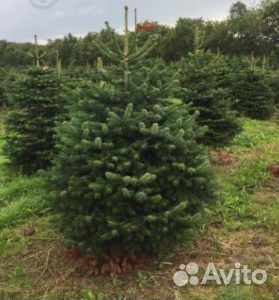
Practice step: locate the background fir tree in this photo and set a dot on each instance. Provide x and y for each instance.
(36, 105)
(2, 84)
(273, 83)
(7, 79)
(251, 88)
(130, 175)
(77, 81)
(2, 94)
(203, 86)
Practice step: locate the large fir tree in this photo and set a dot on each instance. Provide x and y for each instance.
(129, 175)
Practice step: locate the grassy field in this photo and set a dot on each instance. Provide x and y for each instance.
(241, 227)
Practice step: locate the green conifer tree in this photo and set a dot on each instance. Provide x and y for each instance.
(273, 83)
(7, 79)
(252, 92)
(130, 175)
(37, 104)
(2, 94)
(2, 91)
(204, 87)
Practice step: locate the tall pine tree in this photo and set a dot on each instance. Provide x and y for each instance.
(130, 175)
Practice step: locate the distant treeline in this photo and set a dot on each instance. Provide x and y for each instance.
(246, 31)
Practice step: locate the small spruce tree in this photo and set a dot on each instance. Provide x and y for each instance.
(7, 79)
(37, 103)
(2, 95)
(251, 88)
(130, 175)
(273, 83)
(202, 85)
(29, 127)
(2, 91)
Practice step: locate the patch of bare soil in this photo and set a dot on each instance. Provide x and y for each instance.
(223, 158)
(269, 193)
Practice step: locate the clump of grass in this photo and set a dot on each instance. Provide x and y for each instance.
(20, 196)
(26, 206)
(253, 172)
(89, 294)
(234, 293)
(20, 187)
(254, 134)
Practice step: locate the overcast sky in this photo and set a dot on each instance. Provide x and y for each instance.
(20, 20)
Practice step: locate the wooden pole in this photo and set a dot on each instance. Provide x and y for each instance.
(126, 43)
(252, 60)
(99, 64)
(126, 49)
(58, 64)
(136, 19)
(264, 62)
(37, 51)
(136, 29)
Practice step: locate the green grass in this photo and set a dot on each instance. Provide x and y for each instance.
(20, 197)
(19, 210)
(255, 133)
(234, 293)
(256, 148)
(20, 187)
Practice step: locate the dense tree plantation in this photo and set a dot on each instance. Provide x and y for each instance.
(133, 154)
